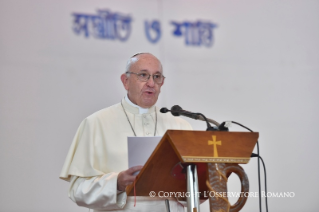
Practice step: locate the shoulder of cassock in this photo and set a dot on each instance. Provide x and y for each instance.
(82, 159)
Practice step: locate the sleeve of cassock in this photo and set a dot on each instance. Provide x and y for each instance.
(81, 159)
(98, 193)
(89, 186)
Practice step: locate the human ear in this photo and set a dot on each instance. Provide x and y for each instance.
(125, 80)
(163, 82)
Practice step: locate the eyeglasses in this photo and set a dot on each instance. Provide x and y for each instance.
(158, 78)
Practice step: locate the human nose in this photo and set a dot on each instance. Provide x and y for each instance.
(150, 82)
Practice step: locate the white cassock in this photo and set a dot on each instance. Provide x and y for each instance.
(99, 152)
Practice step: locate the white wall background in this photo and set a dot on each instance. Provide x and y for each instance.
(262, 71)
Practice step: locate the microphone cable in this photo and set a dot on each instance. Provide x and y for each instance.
(176, 110)
(258, 164)
(265, 175)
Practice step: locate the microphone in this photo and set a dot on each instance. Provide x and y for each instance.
(164, 110)
(176, 110)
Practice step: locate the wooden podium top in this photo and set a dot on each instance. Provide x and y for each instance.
(214, 147)
(200, 147)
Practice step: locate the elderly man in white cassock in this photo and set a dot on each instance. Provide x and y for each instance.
(97, 163)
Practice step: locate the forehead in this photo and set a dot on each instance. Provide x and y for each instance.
(148, 63)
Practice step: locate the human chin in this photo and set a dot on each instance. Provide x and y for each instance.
(149, 101)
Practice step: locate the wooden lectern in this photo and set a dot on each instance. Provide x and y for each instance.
(216, 155)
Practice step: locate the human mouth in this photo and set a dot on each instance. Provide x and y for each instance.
(149, 92)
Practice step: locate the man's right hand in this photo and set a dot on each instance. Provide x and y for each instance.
(126, 177)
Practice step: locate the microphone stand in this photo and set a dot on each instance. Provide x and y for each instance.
(192, 177)
(209, 127)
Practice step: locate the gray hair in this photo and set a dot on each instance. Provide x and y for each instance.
(134, 59)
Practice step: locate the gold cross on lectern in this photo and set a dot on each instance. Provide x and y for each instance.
(214, 142)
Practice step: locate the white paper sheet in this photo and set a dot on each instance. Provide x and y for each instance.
(140, 149)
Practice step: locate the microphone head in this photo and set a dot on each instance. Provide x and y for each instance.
(164, 110)
(175, 110)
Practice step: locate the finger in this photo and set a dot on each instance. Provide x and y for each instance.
(134, 169)
(125, 177)
(128, 183)
(131, 178)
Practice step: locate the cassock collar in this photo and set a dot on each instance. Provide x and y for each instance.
(133, 108)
